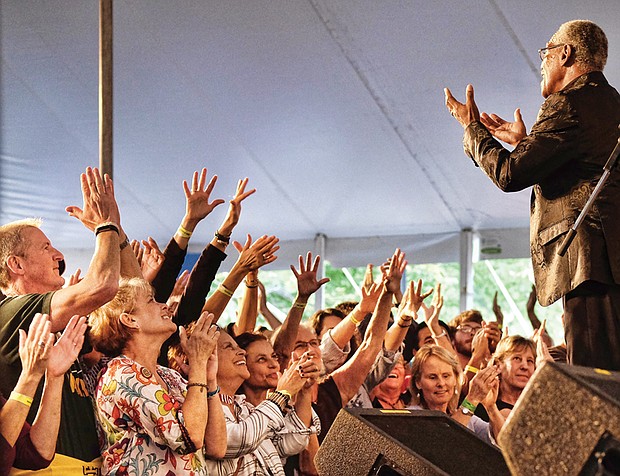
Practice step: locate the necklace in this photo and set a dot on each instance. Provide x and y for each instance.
(390, 404)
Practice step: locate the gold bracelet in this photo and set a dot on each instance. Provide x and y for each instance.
(18, 397)
(353, 320)
(183, 232)
(300, 305)
(224, 290)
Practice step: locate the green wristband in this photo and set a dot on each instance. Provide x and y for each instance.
(470, 406)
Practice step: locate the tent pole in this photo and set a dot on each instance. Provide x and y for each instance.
(320, 242)
(467, 269)
(105, 87)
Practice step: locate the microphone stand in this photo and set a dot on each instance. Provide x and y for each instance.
(572, 232)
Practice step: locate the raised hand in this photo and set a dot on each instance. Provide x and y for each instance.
(152, 259)
(497, 310)
(137, 250)
(394, 273)
(67, 348)
(464, 113)
(493, 333)
(368, 277)
(234, 210)
(197, 205)
(35, 347)
(74, 278)
(509, 132)
(307, 283)
(308, 369)
(482, 383)
(294, 378)
(431, 314)
(200, 346)
(414, 298)
(480, 346)
(177, 291)
(99, 205)
(260, 253)
(370, 296)
(542, 351)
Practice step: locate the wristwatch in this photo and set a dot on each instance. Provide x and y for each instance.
(466, 411)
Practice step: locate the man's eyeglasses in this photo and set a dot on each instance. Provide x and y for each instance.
(543, 51)
(468, 329)
(304, 345)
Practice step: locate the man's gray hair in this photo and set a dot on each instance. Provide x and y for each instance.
(587, 39)
(12, 243)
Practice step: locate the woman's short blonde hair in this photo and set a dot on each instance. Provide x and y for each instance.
(511, 344)
(107, 332)
(421, 357)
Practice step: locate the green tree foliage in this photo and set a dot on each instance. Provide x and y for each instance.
(514, 274)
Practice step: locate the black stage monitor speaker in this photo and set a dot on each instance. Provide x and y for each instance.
(567, 422)
(404, 442)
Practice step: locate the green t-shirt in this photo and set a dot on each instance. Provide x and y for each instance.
(77, 436)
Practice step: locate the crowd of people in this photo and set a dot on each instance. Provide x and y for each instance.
(125, 371)
(174, 393)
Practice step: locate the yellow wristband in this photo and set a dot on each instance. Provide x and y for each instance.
(183, 232)
(224, 290)
(353, 320)
(473, 370)
(18, 397)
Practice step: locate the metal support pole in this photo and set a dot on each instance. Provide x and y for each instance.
(105, 87)
(320, 242)
(467, 258)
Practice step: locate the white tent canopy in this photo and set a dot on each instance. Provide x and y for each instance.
(333, 108)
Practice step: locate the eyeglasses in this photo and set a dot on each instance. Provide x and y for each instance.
(304, 345)
(543, 51)
(468, 329)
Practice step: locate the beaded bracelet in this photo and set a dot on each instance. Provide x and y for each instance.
(198, 384)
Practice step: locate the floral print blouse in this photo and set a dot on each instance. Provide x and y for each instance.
(142, 423)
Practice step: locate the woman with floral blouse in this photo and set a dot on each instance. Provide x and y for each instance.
(153, 420)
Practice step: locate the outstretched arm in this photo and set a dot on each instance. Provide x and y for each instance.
(307, 285)
(248, 308)
(101, 281)
(351, 375)
(264, 310)
(407, 313)
(252, 256)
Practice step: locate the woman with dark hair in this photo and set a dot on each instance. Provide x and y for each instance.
(261, 434)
